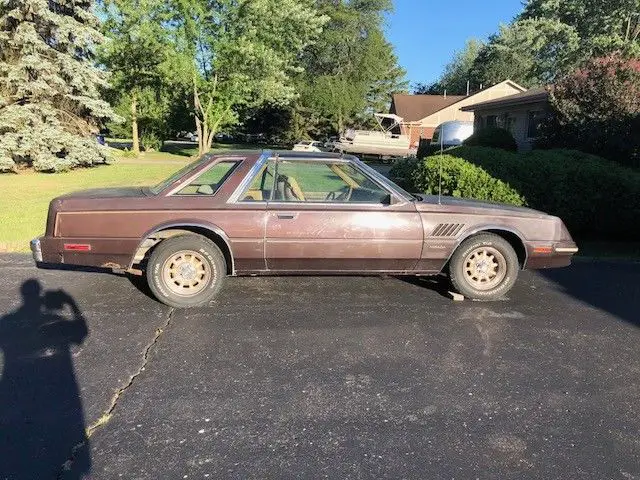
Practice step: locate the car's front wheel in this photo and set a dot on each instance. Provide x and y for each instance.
(484, 267)
(186, 271)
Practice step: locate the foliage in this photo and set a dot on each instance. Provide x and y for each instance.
(50, 105)
(349, 73)
(616, 27)
(455, 176)
(242, 54)
(597, 109)
(492, 137)
(456, 73)
(530, 52)
(552, 37)
(148, 74)
(595, 197)
(402, 170)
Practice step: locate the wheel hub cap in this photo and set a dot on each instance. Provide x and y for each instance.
(485, 268)
(186, 273)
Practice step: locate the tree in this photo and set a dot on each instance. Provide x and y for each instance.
(456, 78)
(50, 106)
(596, 109)
(143, 62)
(243, 53)
(349, 73)
(603, 27)
(458, 71)
(531, 52)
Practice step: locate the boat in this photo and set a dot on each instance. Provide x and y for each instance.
(381, 143)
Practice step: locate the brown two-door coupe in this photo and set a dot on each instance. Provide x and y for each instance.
(274, 213)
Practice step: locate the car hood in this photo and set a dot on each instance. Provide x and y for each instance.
(454, 204)
(116, 192)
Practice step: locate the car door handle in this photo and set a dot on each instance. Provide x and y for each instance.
(286, 216)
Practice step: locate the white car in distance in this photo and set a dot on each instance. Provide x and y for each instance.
(308, 146)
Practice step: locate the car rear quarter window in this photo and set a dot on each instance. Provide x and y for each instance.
(209, 181)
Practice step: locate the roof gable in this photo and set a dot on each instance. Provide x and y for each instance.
(413, 108)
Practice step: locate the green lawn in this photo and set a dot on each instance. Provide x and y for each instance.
(26, 196)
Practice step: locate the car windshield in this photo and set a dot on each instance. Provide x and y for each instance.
(178, 175)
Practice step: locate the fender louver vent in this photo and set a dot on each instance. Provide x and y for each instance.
(447, 229)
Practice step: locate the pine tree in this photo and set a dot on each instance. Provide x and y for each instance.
(50, 106)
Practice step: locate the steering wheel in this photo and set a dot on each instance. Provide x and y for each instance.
(341, 196)
(345, 196)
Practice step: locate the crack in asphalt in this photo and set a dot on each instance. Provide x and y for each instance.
(106, 416)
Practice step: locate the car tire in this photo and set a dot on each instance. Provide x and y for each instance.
(186, 271)
(484, 267)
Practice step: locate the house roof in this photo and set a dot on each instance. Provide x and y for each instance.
(534, 95)
(413, 108)
(416, 107)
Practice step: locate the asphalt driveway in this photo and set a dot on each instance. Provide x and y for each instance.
(320, 377)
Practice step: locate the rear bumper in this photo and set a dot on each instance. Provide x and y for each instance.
(102, 253)
(36, 250)
(44, 250)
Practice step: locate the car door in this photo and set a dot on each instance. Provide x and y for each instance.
(328, 215)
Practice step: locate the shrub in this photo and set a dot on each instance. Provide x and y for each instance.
(151, 142)
(595, 197)
(597, 109)
(401, 172)
(494, 138)
(460, 178)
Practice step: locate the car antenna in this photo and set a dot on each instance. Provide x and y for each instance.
(440, 166)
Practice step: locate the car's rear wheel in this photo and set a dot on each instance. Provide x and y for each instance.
(186, 271)
(484, 267)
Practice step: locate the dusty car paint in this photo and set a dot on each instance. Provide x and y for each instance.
(407, 235)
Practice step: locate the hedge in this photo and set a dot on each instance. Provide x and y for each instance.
(595, 197)
(461, 179)
(492, 137)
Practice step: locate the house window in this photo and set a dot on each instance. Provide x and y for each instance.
(491, 121)
(535, 118)
(507, 122)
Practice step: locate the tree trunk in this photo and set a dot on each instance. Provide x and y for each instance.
(134, 125)
(201, 120)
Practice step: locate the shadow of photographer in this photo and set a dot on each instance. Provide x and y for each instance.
(41, 415)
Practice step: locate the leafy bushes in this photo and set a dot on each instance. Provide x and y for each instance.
(461, 179)
(595, 197)
(402, 170)
(597, 109)
(151, 142)
(492, 137)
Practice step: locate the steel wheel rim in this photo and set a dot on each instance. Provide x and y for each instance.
(186, 273)
(485, 268)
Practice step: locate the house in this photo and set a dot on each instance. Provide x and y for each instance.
(521, 114)
(423, 113)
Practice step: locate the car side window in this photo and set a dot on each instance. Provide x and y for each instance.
(209, 181)
(332, 182)
(261, 186)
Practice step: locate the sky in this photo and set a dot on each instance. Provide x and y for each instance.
(426, 33)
